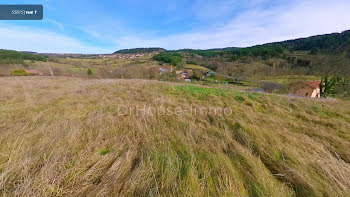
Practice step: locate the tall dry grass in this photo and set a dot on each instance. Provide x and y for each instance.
(64, 137)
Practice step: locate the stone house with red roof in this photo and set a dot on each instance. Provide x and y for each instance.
(309, 89)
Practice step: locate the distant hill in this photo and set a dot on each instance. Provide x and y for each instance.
(336, 42)
(328, 43)
(140, 50)
(320, 55)
(30, 52)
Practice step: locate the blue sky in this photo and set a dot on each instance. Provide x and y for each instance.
(104, 26)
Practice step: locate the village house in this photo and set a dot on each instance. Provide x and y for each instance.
(184, 74)
(34, 72)
(309, 89)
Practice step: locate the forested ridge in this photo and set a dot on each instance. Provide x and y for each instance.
(140, 50)
(15, 57)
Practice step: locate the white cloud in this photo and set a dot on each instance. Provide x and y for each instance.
(257, 26)
(56, 23)
(38, 40)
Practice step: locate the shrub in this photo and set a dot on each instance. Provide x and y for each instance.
(191, 62)
(19, 72)
(89, 72)
(196, 76)
(239, 99)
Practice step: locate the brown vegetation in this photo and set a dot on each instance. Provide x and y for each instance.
(64, 137)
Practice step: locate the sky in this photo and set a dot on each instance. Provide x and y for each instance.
(104, 26)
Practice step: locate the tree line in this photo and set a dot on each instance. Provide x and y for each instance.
(329, 43)
(140, 50)
(172, 58)
(15, 57)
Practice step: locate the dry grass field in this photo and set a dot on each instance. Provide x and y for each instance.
(137, 68)
(68, 137)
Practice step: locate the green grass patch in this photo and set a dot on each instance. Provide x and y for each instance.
(200, 91)
(239, 99)
(104, 151)
(288, 79)
(254, 97)
(196, 67)
(336, 115)
(238, 133)
(76, 69)
(19, 72)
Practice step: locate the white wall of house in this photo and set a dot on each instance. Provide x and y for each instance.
(316, 93)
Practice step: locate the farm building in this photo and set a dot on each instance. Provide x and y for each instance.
(309, 89)
(184, 74)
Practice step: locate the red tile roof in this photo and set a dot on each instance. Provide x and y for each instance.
(314, 84)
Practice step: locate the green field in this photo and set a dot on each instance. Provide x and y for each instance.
(288, 79)
(196, 67)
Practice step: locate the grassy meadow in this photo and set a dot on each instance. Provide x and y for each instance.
(196, 67)
(65, 136)
(110, 67)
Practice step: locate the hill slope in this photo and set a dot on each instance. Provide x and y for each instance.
(330, 43)
(317, 55)
(140, 50)
(64, 136)
(314, 56)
